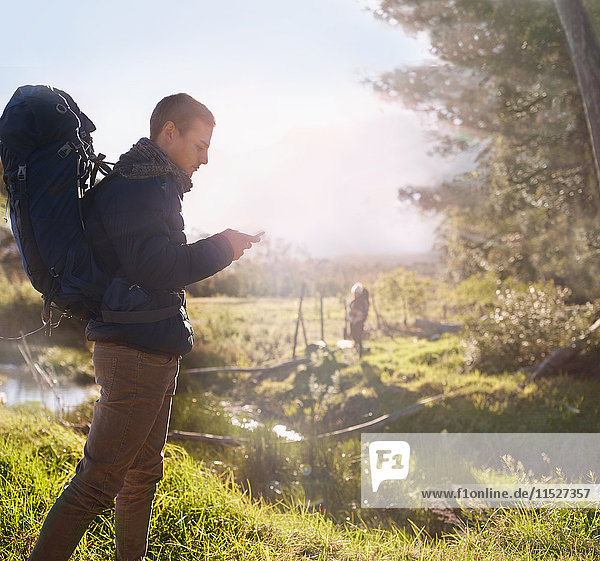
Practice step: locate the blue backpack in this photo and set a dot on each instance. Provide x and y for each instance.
(49, 166)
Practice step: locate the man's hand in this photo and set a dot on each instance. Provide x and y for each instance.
(239, 241)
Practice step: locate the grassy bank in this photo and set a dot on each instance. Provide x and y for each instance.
(336, 393)
(199, 515)
(202, 513)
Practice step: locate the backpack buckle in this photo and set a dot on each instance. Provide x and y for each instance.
(22, 173)
(65, 150)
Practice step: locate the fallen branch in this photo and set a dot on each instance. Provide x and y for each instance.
(387, 418)
(209, 438)
(551, 364)
(434, 327)
(558, 358)
(274, 367)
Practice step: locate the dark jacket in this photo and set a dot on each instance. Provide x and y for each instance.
(136, 228)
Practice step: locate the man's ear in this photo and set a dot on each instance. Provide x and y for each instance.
(169, 131)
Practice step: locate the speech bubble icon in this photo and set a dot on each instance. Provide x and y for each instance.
(389, 459)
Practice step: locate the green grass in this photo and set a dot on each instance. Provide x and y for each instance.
(477, 401)
(395, 373)
(197, 514)
(201, 515)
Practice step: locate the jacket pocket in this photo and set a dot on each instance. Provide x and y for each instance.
(125, 296)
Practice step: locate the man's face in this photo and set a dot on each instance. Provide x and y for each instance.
(190, 149)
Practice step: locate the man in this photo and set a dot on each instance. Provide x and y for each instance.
(134, 221)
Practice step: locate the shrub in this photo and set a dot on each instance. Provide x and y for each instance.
(476, 294)
(526, 324)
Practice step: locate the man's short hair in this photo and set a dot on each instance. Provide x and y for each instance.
(182, 109)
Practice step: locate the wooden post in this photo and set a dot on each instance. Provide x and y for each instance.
(322, 325)
(345, 320)
(303, 330)
(299, 318)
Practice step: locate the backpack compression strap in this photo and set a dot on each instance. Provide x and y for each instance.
(148, 316)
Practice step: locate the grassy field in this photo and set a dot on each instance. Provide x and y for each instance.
(271, 499)
(396, 371)
(252, 331)
(342, 390)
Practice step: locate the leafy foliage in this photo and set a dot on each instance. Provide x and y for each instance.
(502, 89)
(475, 295)
(525, 325)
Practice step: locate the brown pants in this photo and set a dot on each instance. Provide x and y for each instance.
(122, 456)
(356, 332)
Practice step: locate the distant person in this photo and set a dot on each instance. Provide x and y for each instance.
(136, 227)
(357, 314)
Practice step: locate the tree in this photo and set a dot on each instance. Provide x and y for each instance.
(585, 54)
(404, 288)
(503, 89)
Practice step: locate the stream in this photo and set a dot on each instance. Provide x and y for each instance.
(18, 386)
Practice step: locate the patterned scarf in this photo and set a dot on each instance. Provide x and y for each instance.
(146, 159)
